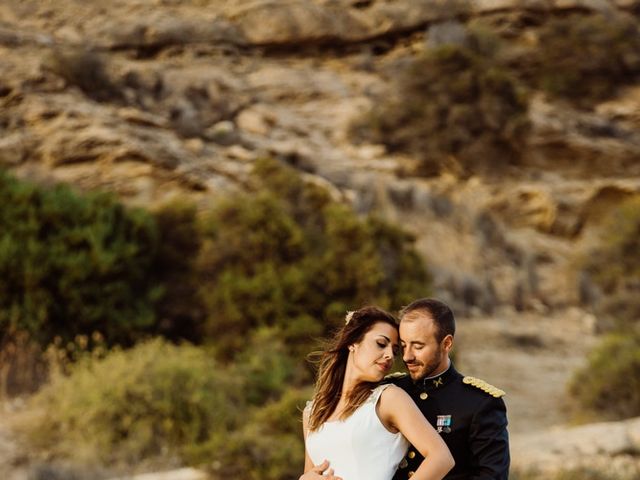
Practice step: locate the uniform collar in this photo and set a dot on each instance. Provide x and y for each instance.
(433, 383)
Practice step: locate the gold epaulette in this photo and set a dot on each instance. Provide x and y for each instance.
(484, 386)
(393, 375)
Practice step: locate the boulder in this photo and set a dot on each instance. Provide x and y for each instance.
(595, 446)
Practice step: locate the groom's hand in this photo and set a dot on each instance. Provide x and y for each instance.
(320, 471)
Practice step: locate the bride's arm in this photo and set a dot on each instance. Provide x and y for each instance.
(311, 471)
(308, 464)
(398, 411)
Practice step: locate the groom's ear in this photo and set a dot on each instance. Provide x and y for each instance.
(447, 343)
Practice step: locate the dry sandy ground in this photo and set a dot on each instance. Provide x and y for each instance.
(531, 357)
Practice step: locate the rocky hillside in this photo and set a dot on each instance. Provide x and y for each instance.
(155, 99)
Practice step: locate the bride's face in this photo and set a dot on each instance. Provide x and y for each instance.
(373, 356)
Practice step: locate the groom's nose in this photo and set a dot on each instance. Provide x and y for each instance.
(407, 356)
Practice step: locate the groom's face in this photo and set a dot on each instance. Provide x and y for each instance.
(423, 355)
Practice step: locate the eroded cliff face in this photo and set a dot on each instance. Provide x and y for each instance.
(157, 99)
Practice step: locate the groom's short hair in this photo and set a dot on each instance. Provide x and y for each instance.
(439, 311)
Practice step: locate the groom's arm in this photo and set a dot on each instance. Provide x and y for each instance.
(489, 442)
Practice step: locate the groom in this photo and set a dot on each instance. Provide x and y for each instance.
(469, 414)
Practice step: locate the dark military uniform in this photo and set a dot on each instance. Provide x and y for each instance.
(471, 417)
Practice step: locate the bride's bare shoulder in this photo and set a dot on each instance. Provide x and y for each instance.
(394, 395)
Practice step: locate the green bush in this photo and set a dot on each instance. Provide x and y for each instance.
(180, 312)
(610, 384)
(156, 399)
(455, 108)
(614, 263)
(286, 256)
(269, 447)
(619, 312)
(256, 279)
(72, 264)
(586, 58)
(267, 366)
(86, 69)
(160, 404)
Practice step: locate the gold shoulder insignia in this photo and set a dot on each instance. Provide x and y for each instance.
(395, 375)
(484, 386)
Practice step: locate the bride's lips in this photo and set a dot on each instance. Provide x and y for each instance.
(384, 366)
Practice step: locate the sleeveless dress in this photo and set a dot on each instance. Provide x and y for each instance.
(359, 447)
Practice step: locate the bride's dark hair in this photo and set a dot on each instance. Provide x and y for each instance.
(333, 362)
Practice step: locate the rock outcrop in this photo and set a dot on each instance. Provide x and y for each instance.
(610, 448)
(181, 98)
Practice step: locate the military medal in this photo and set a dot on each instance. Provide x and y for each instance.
(443, 423)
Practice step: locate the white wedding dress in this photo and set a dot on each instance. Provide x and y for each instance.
(359, 447)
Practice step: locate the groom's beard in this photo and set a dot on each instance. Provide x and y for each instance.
(428, 368)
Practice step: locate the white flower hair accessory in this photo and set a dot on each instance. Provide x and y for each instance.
(348, 317)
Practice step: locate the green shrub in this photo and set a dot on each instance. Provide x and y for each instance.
(287, 256)
(180, 312)
(586, 58)
(610, 383)
(269, 447)
(72, 264)
(267, 366)
(86, 69)
(159, 403)
(155, 399)
(455, 108)
(614, 262)
(619, 312)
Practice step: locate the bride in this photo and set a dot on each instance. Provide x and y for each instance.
(360, 428)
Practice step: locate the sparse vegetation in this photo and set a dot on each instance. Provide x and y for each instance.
(614, 263)
(88, 70)
(610, 382)
(455, 108)
(586, 58)
(290, 258)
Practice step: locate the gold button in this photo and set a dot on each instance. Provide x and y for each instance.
(412, 454)
(423, 395)
(410, 474)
